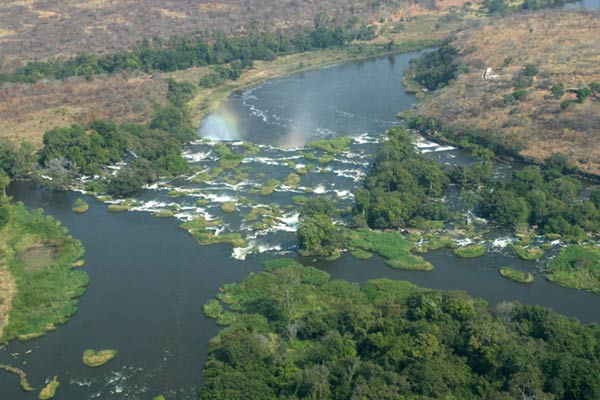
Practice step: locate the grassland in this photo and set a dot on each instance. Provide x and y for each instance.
(200, 229)
(41, 285)
(523, 114)
(576, 267)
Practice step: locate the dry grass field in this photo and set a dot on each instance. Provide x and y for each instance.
(565, 47)
(39, 29)
(28, 110)
(42, 29)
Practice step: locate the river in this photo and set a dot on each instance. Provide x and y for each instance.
(149, 278)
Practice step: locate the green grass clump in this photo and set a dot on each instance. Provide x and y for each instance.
(228, 207)
(165, 214)
(213, 309)
(251, 149)
(327, 158)
(436, 243)
(176, 194)
(299, 199)
(93, 358)
(49, 391)
(81, 206)
(198, 229)
(516, 275)
(269, 187)
(390, 245)
(22, 377)
(332, 146)
(201, 202)
(361, 254)
(410, 262)
(528, 253)
(576, 267)
(470, 251)
(292, 180)
(228, 159)
(115, 208)
(40, 256)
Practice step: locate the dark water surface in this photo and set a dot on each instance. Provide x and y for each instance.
(149, 279)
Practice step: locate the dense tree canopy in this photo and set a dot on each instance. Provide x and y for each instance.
(292, 333)
(402, 185)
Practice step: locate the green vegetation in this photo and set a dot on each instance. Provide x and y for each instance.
(230, 54)
(470, 251)
(198, 229)
(121, 207)
(228, 159)
(293, 333)
(435, 69)
(97, 358)
(156, 147)
(402, 188)
(39, 255)
(528, 253)
(22, 377)
(175, 194)
(361, 254)
(81, 206)
(228, 207)
(317, 235)
(577, 267)
(269, 187)
(213, 309)
(390, 245)
(165, 214)
(292, 180)
(331, 146)
(49, 391)
(516, 275)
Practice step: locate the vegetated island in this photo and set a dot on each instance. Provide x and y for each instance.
(97, 358)
(292, 332)
(38, 280)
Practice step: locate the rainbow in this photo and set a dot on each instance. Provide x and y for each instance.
(221, 125)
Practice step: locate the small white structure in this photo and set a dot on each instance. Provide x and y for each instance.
(488, 74)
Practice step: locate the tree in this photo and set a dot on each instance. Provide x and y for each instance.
(57, 174)
(558, 90)
(4, 182)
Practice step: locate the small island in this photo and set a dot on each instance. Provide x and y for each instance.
(516, 275)
(93, 358)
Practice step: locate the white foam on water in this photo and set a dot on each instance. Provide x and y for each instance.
(354, 174)
(344, 194)
(196, 157)
(464, 242)
(320, 189)
(501, 243)
(438, 149)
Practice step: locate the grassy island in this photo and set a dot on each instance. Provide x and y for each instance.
(516, 275)
(528, 253)
(39, 283)
(93, 358)
(49, 391)
(470, 251)
(198, 228)
(390, 245)
(577, 267)
(81, 206)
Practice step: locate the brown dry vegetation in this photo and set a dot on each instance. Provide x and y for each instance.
(28, 110)
(565, 47)
(41, 29)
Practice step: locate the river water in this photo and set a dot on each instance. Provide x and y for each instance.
(149, 278)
